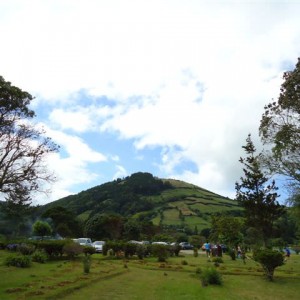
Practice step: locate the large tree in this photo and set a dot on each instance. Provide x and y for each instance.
(226, 229)
(280, 128)
(257, 194)
(23, 147)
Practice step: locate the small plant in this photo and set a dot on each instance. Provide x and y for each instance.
(210, 276)
(20, 261)
(198, 271)
(195, 252)
(86, 264)
(39, 256)
(269, 260)
(184, 262)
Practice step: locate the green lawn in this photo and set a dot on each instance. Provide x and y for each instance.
(147, 279)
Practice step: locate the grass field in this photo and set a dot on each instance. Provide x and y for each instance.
(147, 279)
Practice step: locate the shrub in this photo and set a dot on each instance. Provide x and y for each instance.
(116, 246)
(269, 260)
(26, 249)
(89, 250)
(160, 251)
(210, 276)
(53, 248)
(129, 249)
(141, 251)
(39, 256)
(20, 261)
(217, 260)
(184, 262)
(72, 250)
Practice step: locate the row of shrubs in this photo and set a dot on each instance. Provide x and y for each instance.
(120, 249)
(40, 251)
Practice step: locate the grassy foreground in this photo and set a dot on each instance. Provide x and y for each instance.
(147, 279)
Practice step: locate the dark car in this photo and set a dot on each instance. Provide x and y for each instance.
(186, 246)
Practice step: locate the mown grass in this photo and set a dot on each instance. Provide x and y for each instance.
(147, 279)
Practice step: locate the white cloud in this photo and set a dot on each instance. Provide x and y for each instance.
(191, 78)
(120, 173)
(72, 167)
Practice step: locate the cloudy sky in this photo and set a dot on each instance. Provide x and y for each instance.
(167, 87)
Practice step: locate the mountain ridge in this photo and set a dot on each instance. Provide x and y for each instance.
(166, 202)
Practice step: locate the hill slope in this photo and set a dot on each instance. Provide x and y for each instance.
(167, 202)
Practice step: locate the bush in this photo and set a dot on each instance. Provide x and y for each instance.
(20, 261)
(129, 249)
(217, 260)
(53, 248)
(184, 262)
(39, 256)
(160, 251)
(210, 276)
(116, 246)
(89, 250)
(269, 260)
(141, 251)
(26, 249)
(72, 250)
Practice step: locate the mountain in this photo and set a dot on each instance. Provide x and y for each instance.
(167, 202)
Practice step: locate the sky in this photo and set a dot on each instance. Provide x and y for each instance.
(169, 87)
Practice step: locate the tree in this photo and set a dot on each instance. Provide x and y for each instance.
(104, 226)
(41, 228)
(64, 221)
(226, 229)
(23, 147)
(280, 128)
(257, 195)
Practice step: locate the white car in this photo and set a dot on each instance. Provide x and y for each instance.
(84, 241)
(160, 243)
(98, 245)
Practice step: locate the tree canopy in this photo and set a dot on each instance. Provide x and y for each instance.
(23, 146)
(280, 128)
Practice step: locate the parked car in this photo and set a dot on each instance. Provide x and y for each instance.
(98, 245)
(160, 243)
(84, 241)
(186, 246)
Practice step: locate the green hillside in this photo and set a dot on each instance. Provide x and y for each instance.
(166, 202)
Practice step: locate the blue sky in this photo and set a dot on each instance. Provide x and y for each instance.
(167, 87)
